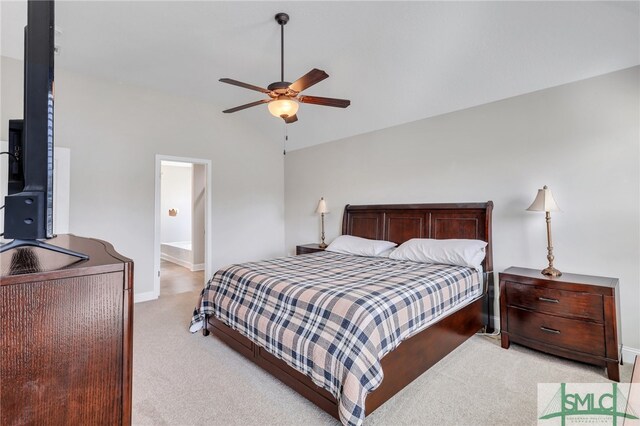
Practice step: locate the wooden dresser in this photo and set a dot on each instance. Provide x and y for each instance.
(573, 316)
(66, 335)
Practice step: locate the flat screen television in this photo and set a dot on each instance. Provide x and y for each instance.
(16, 144)
(29, 212)
(28, 207)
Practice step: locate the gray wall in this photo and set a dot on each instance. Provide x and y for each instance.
(114, 132)
(581, 139)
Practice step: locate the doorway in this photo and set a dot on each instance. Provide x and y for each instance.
(182, 223)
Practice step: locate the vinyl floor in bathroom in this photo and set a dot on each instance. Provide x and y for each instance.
(175, 279)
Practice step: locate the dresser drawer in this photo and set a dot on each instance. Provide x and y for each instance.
(582, 336)
(548, 300)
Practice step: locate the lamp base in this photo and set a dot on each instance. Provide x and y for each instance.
(323, 245)
(551, 271)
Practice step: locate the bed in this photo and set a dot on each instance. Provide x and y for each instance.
(266, 313)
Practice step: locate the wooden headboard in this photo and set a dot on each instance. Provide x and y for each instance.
(401, 222)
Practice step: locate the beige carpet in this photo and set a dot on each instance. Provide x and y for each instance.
(186, 379)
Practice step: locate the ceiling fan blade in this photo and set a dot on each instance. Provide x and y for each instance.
(245, 85)
(309, 79)
(291, 119)
(245, 106)
(317, 100)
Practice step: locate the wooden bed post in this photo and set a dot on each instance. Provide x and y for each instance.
(488, 269)
(489, 296)
(205, 330)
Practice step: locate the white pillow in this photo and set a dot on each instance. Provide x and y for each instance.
(348, 244)
(387, 252)
(449, 252)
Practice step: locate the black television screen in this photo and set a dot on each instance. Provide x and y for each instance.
(29, 213)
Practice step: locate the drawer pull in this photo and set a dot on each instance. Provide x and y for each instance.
(549, 330)
(546, 299)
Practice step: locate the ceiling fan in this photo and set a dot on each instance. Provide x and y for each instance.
(284, 96)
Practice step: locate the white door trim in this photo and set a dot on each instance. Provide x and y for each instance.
(208, 221)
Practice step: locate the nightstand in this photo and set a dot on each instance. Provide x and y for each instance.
(308, 248)
(572, 316)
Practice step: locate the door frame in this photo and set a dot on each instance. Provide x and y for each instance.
(208, 218)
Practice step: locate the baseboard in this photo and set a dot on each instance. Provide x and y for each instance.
(177, 261)
(144, 297)
(629, 354)
(197, 267)
(495, 322)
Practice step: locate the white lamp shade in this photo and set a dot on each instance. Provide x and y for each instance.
(544, 202)
(283, 106)
(322, 207)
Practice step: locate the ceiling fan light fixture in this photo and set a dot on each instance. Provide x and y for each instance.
(283, 106)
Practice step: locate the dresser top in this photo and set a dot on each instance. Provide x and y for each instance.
(564, 278)
(29, 263)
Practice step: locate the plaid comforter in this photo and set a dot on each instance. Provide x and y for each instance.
(332, 316)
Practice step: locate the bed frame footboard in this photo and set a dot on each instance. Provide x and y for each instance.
(407, 362)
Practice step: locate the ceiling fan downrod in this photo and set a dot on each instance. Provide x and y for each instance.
(282, 19)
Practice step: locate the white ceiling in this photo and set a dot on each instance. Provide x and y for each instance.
(396, 61)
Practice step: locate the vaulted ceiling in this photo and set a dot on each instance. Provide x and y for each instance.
(396, 61)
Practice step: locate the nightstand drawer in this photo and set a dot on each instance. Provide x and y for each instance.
(582, 336)
(548, 300)
(308, 248)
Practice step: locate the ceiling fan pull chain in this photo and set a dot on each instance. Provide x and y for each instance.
(286, 138)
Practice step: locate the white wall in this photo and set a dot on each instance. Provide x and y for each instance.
(581, 139)
(175, 193)
(114, 132)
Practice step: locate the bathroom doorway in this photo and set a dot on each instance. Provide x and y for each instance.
(183, 218)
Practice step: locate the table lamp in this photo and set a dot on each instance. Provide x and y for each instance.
(544, 202)
(322, 210)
